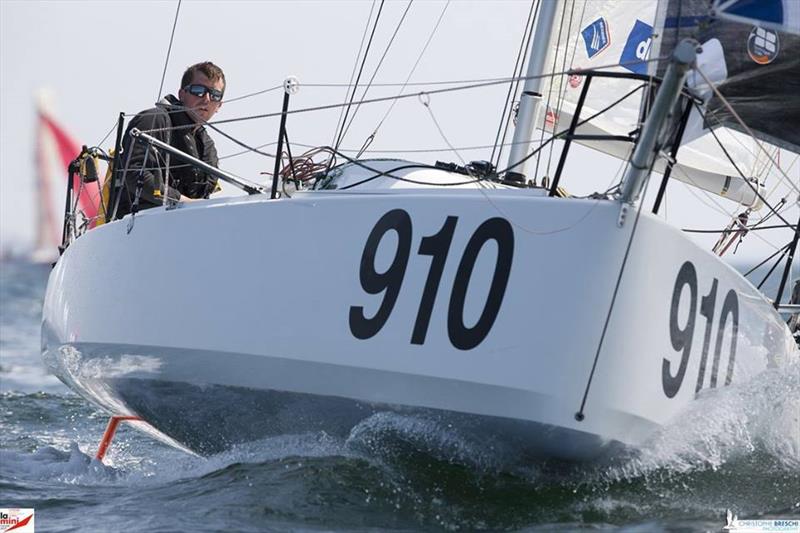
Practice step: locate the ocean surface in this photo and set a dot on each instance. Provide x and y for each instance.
(740, 451)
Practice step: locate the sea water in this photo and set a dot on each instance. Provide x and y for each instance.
(737, 450)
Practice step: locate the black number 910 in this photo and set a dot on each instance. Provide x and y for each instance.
(681, 336)
(437, 246)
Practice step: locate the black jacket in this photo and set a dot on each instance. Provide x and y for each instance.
(184, 179)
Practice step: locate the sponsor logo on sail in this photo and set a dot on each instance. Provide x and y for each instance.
(596, 37)
(16, 520)
(637, 48)
(763, 45)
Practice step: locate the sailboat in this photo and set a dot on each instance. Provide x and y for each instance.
(488, 300)
(55, 150)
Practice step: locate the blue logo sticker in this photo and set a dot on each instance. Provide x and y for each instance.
(596, 37)
(637, 48)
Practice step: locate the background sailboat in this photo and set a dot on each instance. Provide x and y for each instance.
(55, 149)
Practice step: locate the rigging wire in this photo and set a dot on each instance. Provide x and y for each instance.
(562, 87)
(712, 114)
(169, 50)
(250, 95)
(416, 150)
(513, 87)
(579, 416)
(375, 72)
(358, 78)
(409, 84)
(773, 210)
(353, 73)
(480, 85)
(691, 186)
(249, 150)
(746, 181)
(237, 141)
(550, 90)
(408, 78)
(783, 249)
(746, 128)
(107, 135)
(563, 132)
(426, 102)
(749, 228)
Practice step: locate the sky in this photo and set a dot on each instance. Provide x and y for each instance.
(96, 59)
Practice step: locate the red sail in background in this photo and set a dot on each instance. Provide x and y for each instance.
(68, 150)
(48, 232)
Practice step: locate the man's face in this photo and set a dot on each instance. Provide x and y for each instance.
(201, 108)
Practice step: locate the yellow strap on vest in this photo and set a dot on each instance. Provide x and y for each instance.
(106, 192)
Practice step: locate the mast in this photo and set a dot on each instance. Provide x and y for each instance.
(531, 94)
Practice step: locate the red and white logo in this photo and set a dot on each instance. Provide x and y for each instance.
(16, 520)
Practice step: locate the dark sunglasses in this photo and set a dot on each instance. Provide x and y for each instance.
(200, 91)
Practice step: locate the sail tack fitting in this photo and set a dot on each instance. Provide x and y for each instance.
(683, 57)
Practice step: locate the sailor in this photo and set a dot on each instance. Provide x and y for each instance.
(180, 123)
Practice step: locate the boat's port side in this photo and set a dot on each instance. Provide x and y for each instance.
(486, 303)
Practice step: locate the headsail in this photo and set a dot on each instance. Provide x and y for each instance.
(590, 34)
(779, 15)
(762, 64)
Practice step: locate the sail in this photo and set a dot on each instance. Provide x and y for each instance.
(762, 66)
(589, 34)
(592, 34)
(780, 15)
(55, 150)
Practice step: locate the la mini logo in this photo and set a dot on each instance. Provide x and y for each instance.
(16, 520)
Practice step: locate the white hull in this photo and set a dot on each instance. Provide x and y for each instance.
(228, 320)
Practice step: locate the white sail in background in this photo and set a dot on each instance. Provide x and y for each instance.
(593, 34)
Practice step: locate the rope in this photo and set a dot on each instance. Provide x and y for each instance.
(169, 49)
(427, 104)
